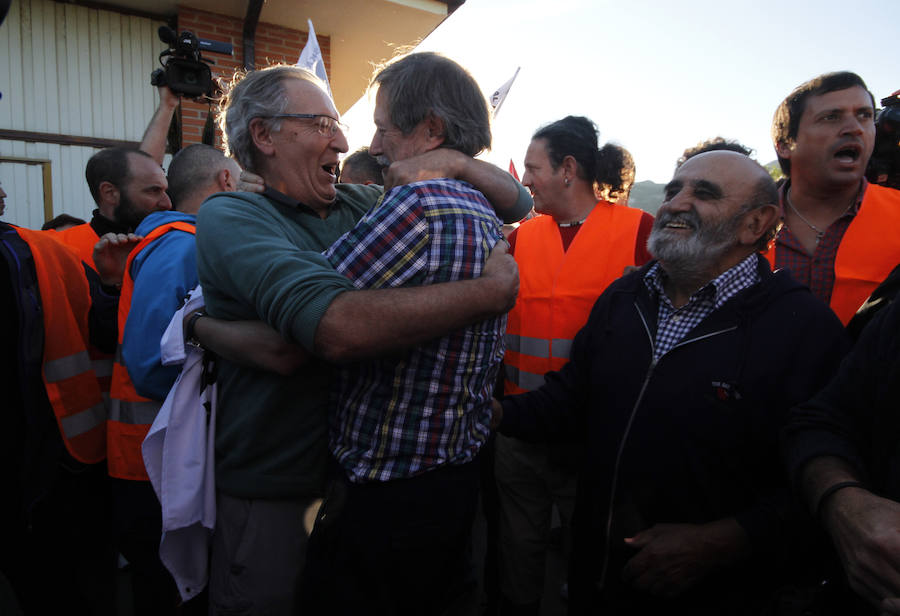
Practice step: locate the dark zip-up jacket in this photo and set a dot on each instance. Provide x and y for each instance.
(690, 438)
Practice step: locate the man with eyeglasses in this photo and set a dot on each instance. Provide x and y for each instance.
(259, 259)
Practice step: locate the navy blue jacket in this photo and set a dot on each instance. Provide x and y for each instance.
(691, 438)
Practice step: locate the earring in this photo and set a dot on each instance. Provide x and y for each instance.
(566, 180)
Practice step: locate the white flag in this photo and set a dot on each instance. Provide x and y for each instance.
(311, 56)
(500, 93)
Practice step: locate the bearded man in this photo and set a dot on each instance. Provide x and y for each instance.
(678, 384)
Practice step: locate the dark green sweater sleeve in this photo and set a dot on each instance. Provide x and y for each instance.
(258, 260)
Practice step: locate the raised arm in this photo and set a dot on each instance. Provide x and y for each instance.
(510, 199)
(154, 140)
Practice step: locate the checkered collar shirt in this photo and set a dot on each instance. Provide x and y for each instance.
(413, 411)
(673, 323)
(816, 270)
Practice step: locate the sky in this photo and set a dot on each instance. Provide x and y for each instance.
(657, 76)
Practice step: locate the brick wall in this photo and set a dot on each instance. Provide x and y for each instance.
(273, 44)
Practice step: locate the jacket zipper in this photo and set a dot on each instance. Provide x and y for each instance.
(612, 491)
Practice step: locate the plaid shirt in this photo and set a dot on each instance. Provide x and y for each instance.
(429, 406)
(675, 323)
(816, 271)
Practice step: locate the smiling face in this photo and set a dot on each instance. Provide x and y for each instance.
(697, 228)
(303, 162)
(835, 137)
(544, 182)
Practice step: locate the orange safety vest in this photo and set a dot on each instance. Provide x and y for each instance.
(82, 238)
(558, 288)
(868, 252)
(69, 378)
(130, 414)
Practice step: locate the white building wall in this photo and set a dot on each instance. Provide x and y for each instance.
(69, 70)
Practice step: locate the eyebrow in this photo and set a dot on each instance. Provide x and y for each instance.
(714, 189)
(673, 185)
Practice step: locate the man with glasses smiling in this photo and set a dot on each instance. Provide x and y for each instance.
(259, 259)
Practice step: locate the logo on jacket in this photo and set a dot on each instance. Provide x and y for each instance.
(725, 391)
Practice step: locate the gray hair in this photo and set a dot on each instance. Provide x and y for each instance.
(427, 83)
(253, 95)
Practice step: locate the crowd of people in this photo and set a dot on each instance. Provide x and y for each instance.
(706, 399)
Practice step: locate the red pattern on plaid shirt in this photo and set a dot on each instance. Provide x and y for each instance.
(817, 270)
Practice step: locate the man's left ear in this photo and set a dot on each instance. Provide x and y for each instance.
(434, 131)
(756, 222)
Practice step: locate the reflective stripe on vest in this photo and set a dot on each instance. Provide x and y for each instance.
(538, 347)
(867, 253)
(69, 378)
(82, 238)
(130, 414)
(558, 288)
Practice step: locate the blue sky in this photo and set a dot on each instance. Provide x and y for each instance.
(658, 76)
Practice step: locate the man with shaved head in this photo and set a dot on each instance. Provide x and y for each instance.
(678, 385)
(160, 272)
(833, 239)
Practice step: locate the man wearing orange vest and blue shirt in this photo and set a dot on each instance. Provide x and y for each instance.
(840, 234)
(566, 258)
(160, 272)
(55, 519)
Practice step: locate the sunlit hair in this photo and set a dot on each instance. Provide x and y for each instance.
(786, 122)
(426, 84)
(577, 136)
(252, 95)
(713, 145)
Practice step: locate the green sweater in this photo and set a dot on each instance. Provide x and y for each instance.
(258, 258)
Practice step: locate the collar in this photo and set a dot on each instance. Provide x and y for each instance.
(103, 225)
(853, 211)
(285, 200)
(720, 289)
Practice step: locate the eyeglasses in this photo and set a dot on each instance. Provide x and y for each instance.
(326, 125)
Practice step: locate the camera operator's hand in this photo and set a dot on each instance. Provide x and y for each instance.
(250, 182)
(167, 98)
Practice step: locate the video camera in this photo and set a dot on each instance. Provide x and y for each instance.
(186, 71)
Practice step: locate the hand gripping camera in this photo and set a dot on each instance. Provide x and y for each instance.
(184, 70)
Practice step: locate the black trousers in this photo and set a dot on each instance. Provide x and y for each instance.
(394, 548)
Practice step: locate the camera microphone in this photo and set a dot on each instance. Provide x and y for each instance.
(167, 35)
